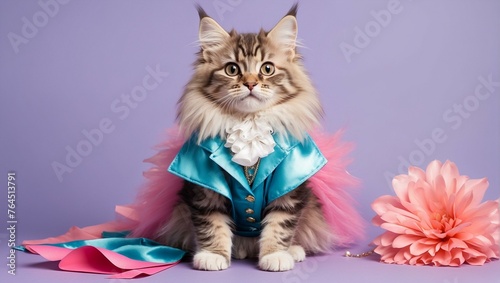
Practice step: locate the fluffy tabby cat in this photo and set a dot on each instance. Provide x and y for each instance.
(246, 77)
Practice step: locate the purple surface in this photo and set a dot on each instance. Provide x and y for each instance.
(411, 75)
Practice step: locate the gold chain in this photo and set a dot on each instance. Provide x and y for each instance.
(251, 177)
(349, 254)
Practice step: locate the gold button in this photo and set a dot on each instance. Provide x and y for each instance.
(251, 219)
(250, 198)
(249, 211)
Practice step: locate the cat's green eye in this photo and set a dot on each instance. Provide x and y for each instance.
(232, 69)
(267, 69)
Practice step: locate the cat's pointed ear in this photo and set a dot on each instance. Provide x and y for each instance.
(211, 34)
(285, 31)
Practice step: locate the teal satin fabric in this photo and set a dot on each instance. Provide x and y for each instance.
(209, 165)
(134, 248)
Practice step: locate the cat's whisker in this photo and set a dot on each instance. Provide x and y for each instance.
(300, 44)
(226, 102)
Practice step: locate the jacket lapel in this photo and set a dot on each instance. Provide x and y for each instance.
(222, 156)
(267, 164)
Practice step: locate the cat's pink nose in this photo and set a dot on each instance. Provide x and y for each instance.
(250, 85)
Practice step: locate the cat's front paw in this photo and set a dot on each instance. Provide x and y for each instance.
(297, 253)
(277, 261)
(205, 260)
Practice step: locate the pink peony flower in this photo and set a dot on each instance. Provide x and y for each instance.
(437, 218)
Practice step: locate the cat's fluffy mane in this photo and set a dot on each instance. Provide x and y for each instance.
(199, 115)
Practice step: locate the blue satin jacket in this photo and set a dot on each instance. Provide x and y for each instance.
(209, 165)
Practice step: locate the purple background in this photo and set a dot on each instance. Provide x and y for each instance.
(400, 87)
